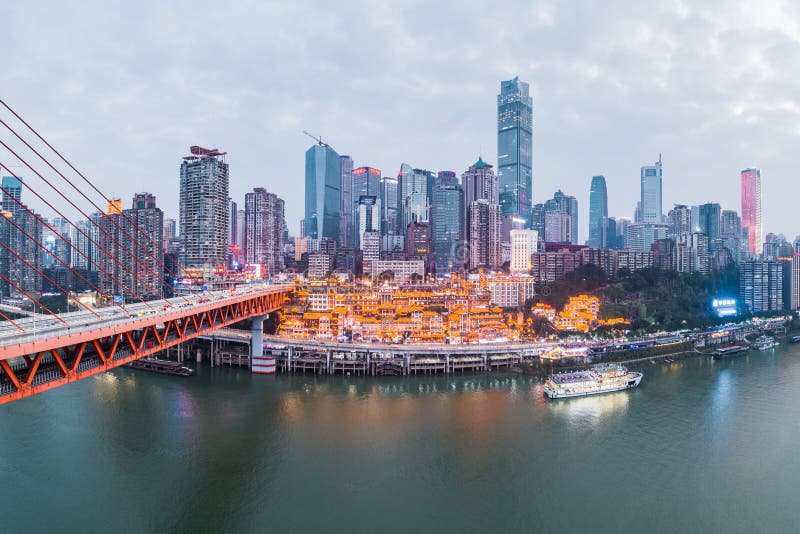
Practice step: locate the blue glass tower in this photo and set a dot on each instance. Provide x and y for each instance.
(323, 183)
(598, 212)
(447, 223)
(514, 148)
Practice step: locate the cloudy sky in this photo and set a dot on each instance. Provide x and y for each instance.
(124, 88)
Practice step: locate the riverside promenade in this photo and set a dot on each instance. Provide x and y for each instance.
(331, 357)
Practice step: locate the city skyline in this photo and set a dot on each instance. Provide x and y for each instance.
(585, 103)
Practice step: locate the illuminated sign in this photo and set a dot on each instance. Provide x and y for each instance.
(724, 307)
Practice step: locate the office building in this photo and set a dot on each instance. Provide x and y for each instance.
(346, 201)
(557, 227)
(515, 149)
(367, 216)
(366, 183)
(323, 192)
(416, 188)
(598, 213)
(650, 201)
(418, 241)
(204, 218)
(523, 244)
(710, 221)
(567, 205)
(641, 236)
(447, 224)
(390, 207)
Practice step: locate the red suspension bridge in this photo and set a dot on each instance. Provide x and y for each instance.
(42, 349)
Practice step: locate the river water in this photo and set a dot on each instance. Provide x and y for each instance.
(701, 446)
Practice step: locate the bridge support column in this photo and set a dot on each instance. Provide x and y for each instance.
(486, 362)
(446, 362)
(260, 364)
(328, 355)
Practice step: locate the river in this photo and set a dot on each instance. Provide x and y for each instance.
(701, 446)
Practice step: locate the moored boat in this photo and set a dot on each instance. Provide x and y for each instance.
(164, 367)
(601, 378)
(764, 343)
(794, 339)
(729, 352)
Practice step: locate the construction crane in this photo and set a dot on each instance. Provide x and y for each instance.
(318, 140)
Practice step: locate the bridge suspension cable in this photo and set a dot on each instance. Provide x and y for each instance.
(69, 221)
(139, 247)
(105, 232)
(79, 173)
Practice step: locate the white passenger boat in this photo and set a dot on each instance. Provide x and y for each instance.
(601, 378)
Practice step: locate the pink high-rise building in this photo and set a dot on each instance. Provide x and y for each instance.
(751, 210)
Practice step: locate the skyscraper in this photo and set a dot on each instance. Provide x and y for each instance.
(598, 212)
(368, 216)
(132, 250)
(650, 202)
(568, 232)
(447, 223)
(523, 244)
(751, 210)
(366, 183)
(264, 221)
(204, 218)
(390, 217)
(515, 148)
(679, 220)
(710, 219)
(346, 202)
(731, 233)
(12, 268)
(12, 190)
(482, 235)
(479, 181)
(416, 188)
(323, 192)
(761, 285)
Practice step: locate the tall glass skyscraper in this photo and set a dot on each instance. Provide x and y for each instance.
(447, 223)
(416, 189)
(515, 148)
(709, 220)
(598, 212)
(323, 192)
(346, 203)
(366, 182)
(650, 202)
(751, 210)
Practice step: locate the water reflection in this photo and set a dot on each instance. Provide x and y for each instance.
(592, 410)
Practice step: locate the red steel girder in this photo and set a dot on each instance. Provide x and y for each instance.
(140, 340)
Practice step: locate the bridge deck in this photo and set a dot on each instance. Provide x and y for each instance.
(53, 354)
